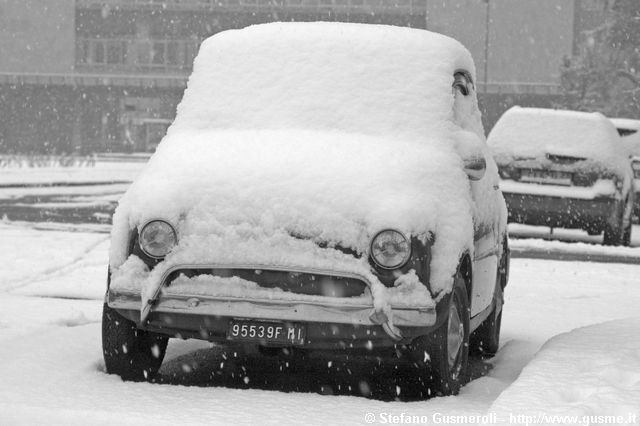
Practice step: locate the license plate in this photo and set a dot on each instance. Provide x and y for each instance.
(267, 332)
(550, 177)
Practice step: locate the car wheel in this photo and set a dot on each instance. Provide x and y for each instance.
(627, 222)
(613, 232)
(129, 352)
(626, 236)
(612, 236)
(443, 355)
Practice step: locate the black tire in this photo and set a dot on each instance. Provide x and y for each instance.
(485, 340)
(129, 352)
(614, 229)
(613, 234)
(626, 236)
(431, 353)
(627, 223)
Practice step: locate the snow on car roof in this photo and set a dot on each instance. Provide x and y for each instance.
(375, 79)
(626, 123)
(533, 133)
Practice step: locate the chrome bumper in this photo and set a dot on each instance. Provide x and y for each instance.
(325, 311)
(284, 310)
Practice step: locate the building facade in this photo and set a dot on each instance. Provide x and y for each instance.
(106, 75)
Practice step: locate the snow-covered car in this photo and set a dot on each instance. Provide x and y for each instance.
(323, 186)
(564, 169)
(629, 131)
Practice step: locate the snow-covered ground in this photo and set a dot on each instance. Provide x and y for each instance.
(66, 194)
(51, 368)
(102, 171)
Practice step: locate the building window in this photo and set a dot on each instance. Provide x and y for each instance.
(137, 53)
(101, 52)
(115, 52)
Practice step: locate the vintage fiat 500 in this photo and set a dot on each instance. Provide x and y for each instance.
(323, 186)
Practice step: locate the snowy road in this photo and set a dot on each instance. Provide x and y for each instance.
(51, 285)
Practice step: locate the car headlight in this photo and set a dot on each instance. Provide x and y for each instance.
(157, 238)
(390, 249)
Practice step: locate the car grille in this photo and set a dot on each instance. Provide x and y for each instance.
(294, 282)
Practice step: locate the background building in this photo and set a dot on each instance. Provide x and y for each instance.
(106, 75)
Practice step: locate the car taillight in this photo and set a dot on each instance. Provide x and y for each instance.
(510, 173)
(584, 179)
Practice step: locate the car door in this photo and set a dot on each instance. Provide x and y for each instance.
(485, 194)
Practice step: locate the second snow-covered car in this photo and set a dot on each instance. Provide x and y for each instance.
(323, 186)
(564, 169)
(629, 131)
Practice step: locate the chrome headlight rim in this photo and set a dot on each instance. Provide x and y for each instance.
(170, 247)
(399, 265)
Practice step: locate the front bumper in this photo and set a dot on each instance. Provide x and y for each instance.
(545, 210)
(331, 322)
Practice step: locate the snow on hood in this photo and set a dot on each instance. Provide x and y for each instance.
(534, 133)
(322, 131)
(249, 197)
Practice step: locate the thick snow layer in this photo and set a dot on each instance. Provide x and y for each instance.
(533, 133)
(52, 369)
(374, 79)
(269, 197)
(591, 371)
(626, 123)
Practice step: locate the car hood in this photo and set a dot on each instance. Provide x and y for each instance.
(269, 197)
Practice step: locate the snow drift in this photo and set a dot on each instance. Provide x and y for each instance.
(590, 372)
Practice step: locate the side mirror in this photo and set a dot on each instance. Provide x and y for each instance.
(475, 167)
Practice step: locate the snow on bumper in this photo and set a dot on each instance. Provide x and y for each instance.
(202, 293)
(602, 188)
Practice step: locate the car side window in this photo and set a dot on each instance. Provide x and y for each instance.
(465, 105)
(462, 83)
